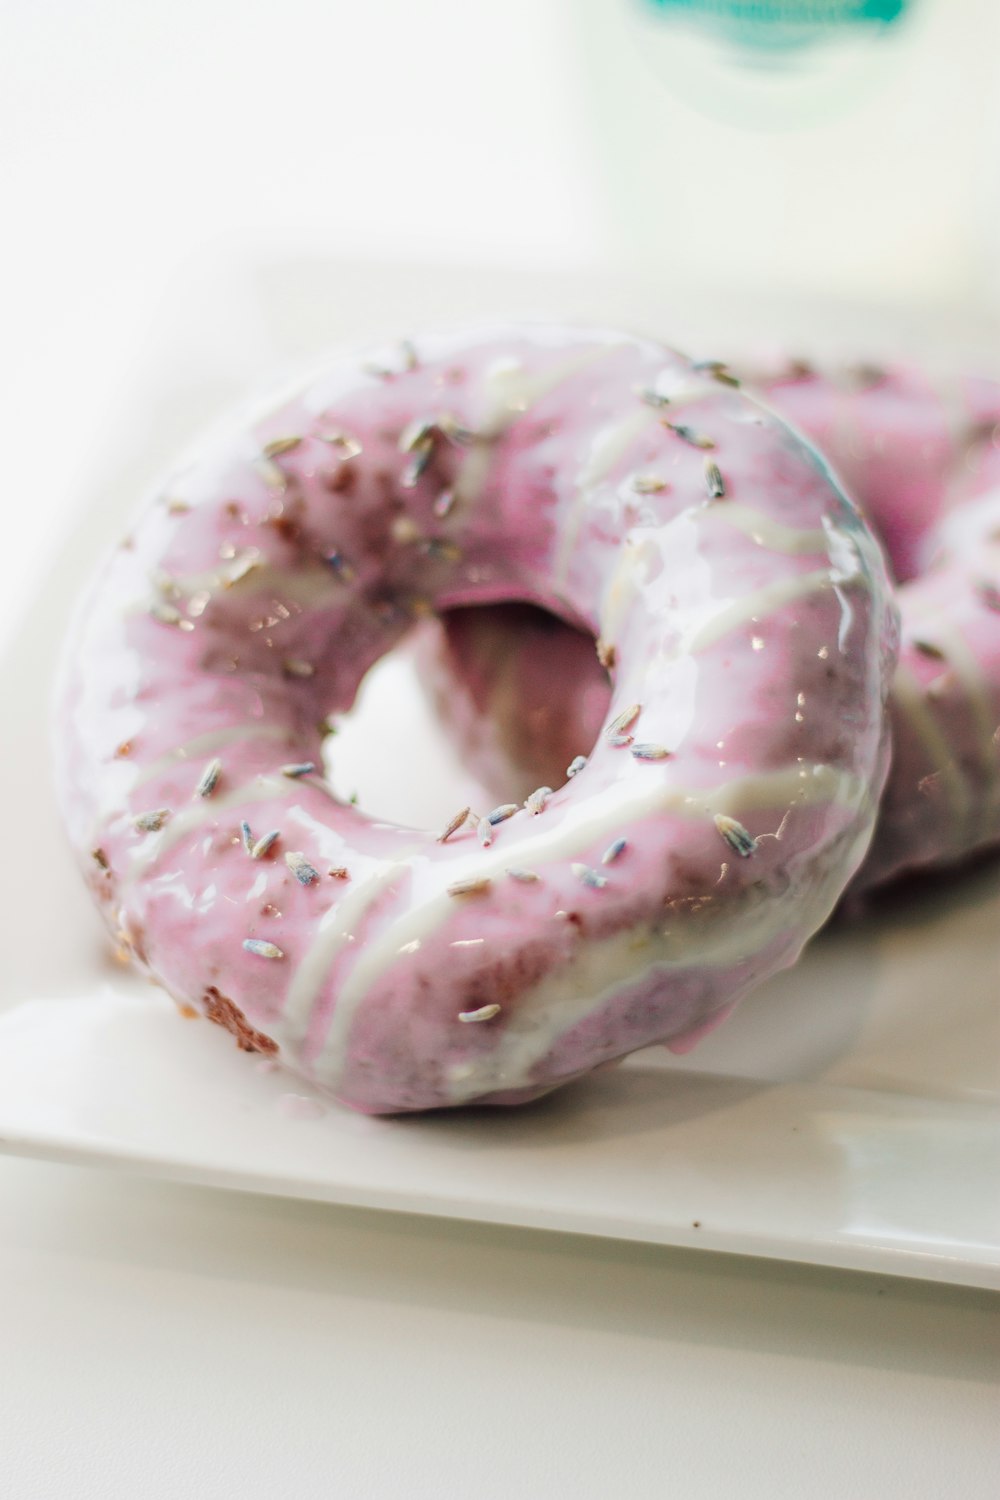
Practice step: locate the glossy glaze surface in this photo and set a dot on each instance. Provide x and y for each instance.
(922, 457)
(750, 637)
(921, 454)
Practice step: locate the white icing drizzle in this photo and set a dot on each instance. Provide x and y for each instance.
(773, 535)
(637, 556)
(911, 701)
(612, 442)
(336, 932)
(599, 817)
(206, 744)
(310, 585)
(608, 447)
(763, 601)
(642, 549)
(261, 789)
(511, 391)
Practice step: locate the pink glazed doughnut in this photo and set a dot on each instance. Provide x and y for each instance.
(747, 620)
(922, 458)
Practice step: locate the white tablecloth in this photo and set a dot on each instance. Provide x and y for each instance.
(162, 1341)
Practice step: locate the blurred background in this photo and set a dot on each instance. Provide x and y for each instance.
(364, 161)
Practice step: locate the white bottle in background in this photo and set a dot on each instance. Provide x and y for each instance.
(843, 147)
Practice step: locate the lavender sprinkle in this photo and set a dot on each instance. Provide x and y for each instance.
(502, 813)
(735, 835)
(718, 371)
(614, 851)
(338, 564)
(414, 470)
(246, 837)
(417, 435)
(436, 546)
(152, 822)
(298, 768)
(455, 431)
(264, 843)
(444, 504)
(647, 751)
(576, 765)
(472, 887)
(294, 666)
(345, 446)
(304, 872)
(209, 778)
(537, 800)
(279, 445)
(524, 877)
(454, 825)
(261, 949)
(589, 877)
(623, 721)
(484, 1013)
(714, 480)
(273, 476)
(689, 435)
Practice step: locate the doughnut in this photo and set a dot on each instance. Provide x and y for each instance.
(744, 615)
(921, 456)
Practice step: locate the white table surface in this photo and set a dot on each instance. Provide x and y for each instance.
(165, 1341)
(161, 1341)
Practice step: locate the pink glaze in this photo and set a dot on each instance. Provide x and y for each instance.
(257, 588)
(922, 457)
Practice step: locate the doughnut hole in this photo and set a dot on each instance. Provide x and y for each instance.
(508, 656)
(527, 744)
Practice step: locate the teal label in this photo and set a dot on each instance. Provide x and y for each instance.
(780, 23)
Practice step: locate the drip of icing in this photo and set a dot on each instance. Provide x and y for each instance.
(206, 744)
(554, 1006)
(605, 813)
(511, 392)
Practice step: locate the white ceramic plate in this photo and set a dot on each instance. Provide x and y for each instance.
(849, 1115)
